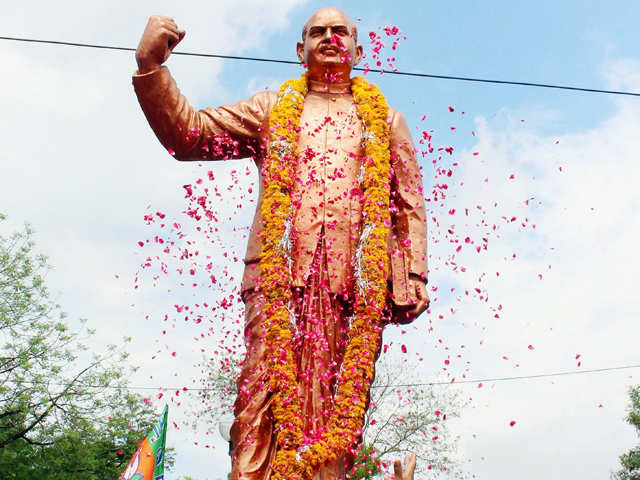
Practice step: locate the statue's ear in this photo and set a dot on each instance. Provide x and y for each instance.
(300, 51)
(359, 52)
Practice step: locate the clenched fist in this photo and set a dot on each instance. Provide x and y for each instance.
(158, 41)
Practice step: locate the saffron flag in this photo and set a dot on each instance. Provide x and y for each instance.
(148, 461)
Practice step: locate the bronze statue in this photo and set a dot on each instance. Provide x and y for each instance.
(323, 228)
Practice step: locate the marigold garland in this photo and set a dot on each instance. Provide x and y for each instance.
(293, 459)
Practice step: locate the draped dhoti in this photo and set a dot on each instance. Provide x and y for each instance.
(322, 324)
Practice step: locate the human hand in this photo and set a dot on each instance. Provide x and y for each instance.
(159, 38)
(419, 287)
(404, 472)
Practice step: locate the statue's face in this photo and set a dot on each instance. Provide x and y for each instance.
(329, 45)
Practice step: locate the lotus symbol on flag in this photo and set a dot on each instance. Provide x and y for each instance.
(131, 472)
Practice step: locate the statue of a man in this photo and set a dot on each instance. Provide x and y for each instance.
(337, 246)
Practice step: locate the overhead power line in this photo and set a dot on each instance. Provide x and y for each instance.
(130, 49)
(373, 70)
(394, 385)
(518, 377)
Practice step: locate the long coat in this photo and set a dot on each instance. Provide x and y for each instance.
(328, 195)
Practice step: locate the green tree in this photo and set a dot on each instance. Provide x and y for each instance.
(64, 412)
(405, 417)
(630, 461)
(87, 449)
(366, 466)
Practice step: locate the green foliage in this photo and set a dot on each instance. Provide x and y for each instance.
(634, 412)
(366, 465)
(405, 419)
(630, 461)
(64, 412)
(90, 449)
(219, 390)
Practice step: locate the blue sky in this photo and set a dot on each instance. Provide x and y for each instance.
(565, 43)
(81, 165)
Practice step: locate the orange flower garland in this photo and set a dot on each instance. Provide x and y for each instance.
(293, 459)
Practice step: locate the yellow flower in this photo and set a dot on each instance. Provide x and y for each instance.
(345, 421)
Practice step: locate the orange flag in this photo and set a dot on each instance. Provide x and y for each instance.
(148, 461)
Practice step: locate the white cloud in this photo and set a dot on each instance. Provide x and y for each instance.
(257, 84)
(587, 226)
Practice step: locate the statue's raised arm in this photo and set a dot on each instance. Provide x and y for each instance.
(230, 131)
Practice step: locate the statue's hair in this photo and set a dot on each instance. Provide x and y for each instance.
(350, 24)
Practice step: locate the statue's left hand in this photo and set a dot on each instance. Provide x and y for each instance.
(419, 287)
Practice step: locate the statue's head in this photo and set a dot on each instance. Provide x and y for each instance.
(329, 46)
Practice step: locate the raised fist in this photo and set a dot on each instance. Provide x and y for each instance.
(160, 37)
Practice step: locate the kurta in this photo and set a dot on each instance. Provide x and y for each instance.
(326, 228)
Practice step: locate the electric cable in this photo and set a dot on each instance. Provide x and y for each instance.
(361, 69)
(394, 385)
